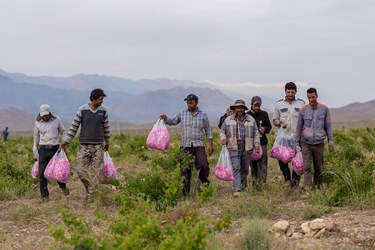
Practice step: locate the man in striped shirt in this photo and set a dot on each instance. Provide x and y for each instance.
(93, 141)
(194, 125)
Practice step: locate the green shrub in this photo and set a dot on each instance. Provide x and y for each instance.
(255, 236)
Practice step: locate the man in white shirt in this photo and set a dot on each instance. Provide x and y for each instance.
(285, 117)
(47, 130)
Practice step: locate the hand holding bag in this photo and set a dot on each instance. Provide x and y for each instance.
(223, 169)
(58, 168)
(256, 156)
(158, 138)
(108, 171)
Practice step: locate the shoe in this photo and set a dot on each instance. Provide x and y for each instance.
(44, 199)
(237, 194)
(66, 191)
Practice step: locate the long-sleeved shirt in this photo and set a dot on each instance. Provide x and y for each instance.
(288, 113)
(193, 128)
(47, 133)
(229, 131)
(94, 126)
(314, 125)
(262, 116)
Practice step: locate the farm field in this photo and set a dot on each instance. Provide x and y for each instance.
(144, 209)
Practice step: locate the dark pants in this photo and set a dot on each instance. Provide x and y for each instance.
(259, 167)
(201, 164)
(45, 155)
(286, 173)
(313, 155)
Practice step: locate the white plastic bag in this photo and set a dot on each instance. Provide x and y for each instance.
(108, 171)
(284, 146)
(297, 163)
(223, 169)
(35, 170)
(158, 138)
(58, 168)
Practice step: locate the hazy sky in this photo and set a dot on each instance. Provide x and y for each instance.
(242, 46)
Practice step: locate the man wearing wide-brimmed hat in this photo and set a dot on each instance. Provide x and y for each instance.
(241, 135)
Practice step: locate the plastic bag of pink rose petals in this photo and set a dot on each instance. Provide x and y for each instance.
(158, 138)
(58, 168)
(297, 163)
(284, 146)
(256, 156)
(35, 170)
(108, 171)
(223, 169)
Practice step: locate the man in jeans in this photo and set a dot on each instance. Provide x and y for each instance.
(194, 125)
(313, 126)
(240, 133)
(93, 141)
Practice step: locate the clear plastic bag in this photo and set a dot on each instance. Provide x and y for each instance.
(35, 170)
(158, 138)
(223, 169)
(297, 163)
(284, 146)
(58, 168)
(256, 156)
(108, 171)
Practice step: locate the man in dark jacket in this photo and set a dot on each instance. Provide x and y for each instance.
(259, 167)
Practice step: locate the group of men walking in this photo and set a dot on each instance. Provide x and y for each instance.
(243, 131)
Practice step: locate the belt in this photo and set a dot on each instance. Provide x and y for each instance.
(240, 141)
(49, 146)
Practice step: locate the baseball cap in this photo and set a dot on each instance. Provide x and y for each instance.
(256, 99)
(44, 109)
(191, 97)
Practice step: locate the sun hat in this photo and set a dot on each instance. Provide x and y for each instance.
(237, 103)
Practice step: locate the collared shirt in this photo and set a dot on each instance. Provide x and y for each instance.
(47, 133)
(240, 129)
(288, 112)
(193, 128)
(314, 125)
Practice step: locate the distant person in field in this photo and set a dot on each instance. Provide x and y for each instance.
(313, 126)
(47, 131)
(94, 140)
(259, 168)
(5, 134)
(240, 133)
(194, 126)
(285, 117)
(222, 118)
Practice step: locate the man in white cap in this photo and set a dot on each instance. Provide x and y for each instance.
(240, 133)
(47, 131)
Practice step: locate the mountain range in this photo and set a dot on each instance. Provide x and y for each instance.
(128, 101)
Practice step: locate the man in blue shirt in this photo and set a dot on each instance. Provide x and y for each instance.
(194, 125)
(5, 134)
